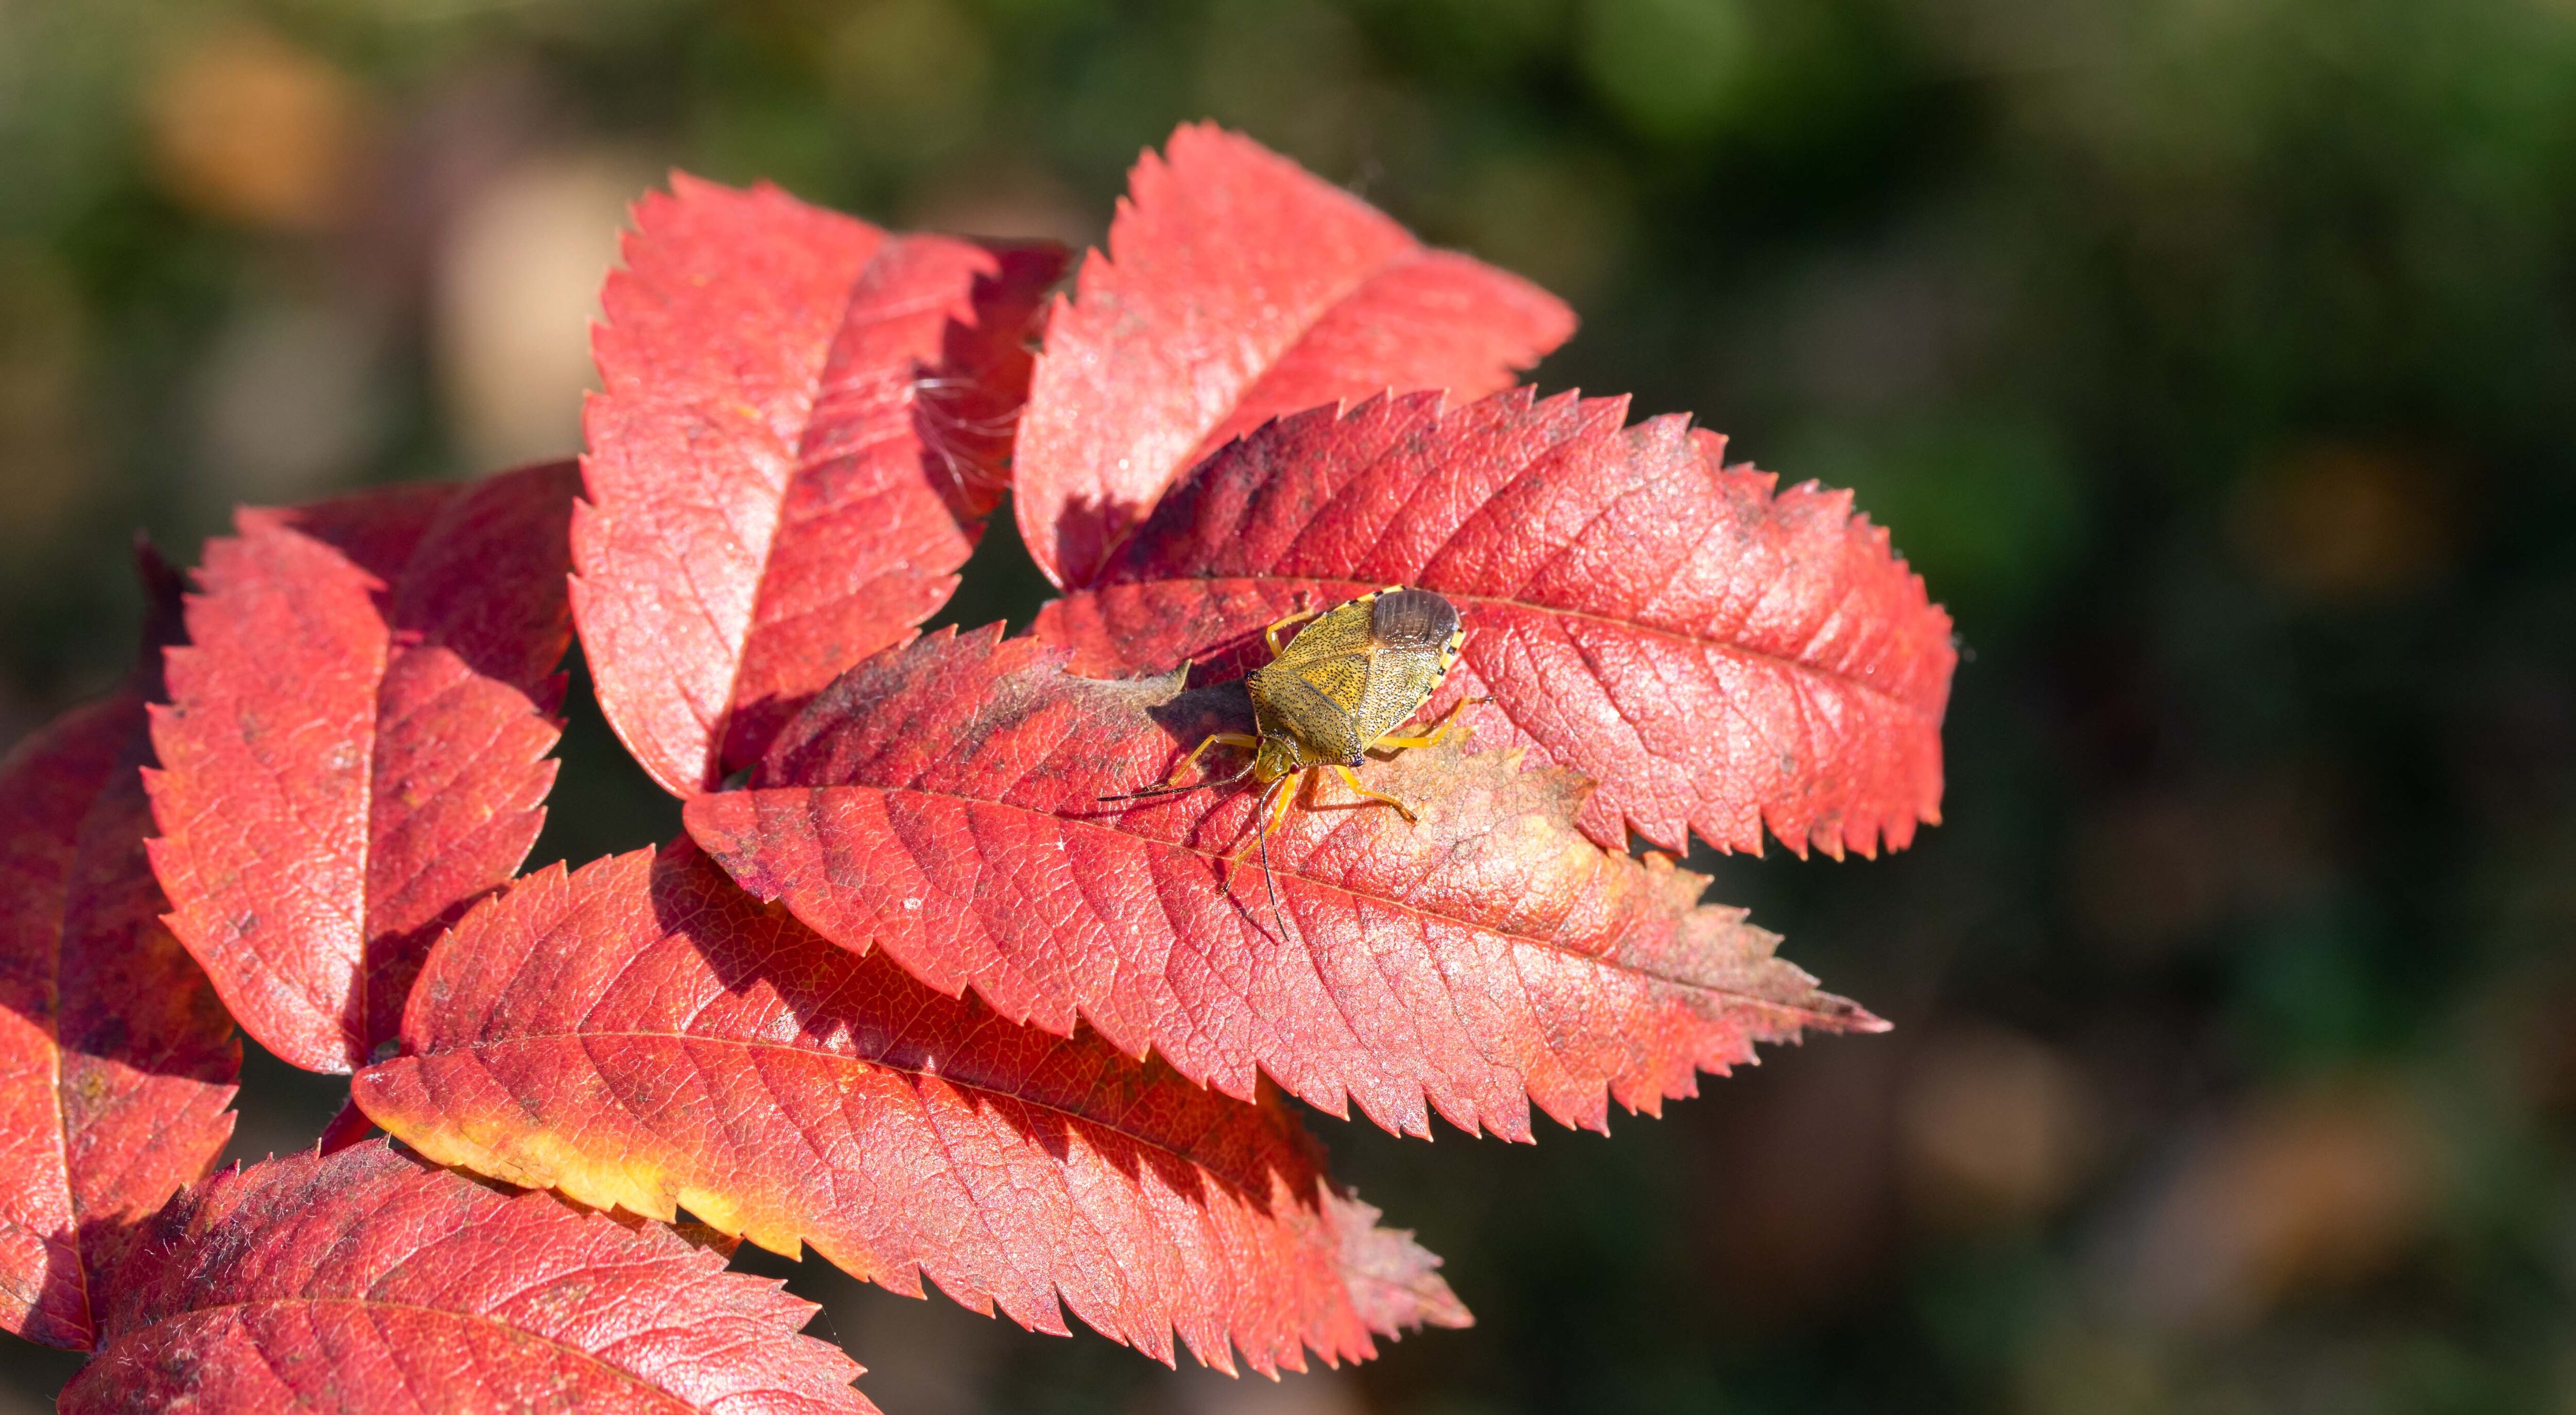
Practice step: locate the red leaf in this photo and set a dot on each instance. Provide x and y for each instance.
(368, 1281)
(1238, 288)
(642, 1034)
(355, 745)
(1488, 957)
(805, 424)
(1717, 654)
(116, 1061)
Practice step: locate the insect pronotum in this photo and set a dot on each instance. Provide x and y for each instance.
(1343, 687)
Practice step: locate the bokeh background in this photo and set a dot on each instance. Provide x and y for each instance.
(2214, 359)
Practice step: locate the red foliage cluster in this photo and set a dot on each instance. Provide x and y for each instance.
(1003, 1032)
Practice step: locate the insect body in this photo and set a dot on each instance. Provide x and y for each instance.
(1341, 688)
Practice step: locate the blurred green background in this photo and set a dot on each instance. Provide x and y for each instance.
(2214, 359)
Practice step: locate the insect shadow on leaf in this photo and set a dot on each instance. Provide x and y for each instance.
(1345, 686)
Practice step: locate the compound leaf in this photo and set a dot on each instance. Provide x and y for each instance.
(643, 1034)
(1717, 653)
(942, 802)
(1237, 288)
(355, 744)
(806, 420)
(367, 1281)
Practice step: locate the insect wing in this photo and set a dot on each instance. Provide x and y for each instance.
(1400, 682)
(1342, 678)
(1311, 700)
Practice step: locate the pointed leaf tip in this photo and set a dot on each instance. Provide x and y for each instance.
(355, 744)
(1238, 287)
(805, 421)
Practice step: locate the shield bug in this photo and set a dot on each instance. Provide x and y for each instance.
(1343, 687)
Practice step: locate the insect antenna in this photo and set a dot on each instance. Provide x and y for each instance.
(1277, 916)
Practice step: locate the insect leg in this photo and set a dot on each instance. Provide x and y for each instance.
(1272, 810)
(1178, 781)
(1269, 881)
(1245, 740)
(1393, 743)
(1272, 633)
(1352, 779)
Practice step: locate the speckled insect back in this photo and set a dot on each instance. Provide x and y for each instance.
(1333, 694)
(1351, 677)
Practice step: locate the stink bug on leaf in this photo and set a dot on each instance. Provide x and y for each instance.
(1343, 687)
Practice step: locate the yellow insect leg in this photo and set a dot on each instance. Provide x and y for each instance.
(1352, 779)
(1279, 799)
(1272, 633)
(1190, 763)
(1391, 742)
(1179, 779)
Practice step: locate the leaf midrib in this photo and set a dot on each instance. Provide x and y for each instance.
(1199, 451)
(371, 1303)
(1397, 905)
(1797, 665)
(810, 390)
(753, 1044)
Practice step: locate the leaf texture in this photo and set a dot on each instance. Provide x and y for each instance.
(355, 745)
(116, 1059)
(643, 1034)
(805, 422)
(367, 1281)
(1717, 653)
(1238, 288)
(941, 803)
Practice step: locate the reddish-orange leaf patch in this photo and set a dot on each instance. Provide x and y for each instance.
(643, 1034)
(355, 744)
(116, 1061)
(805, 422)
(1719, 654)
(368, 1281)
(1238, 288)
(942, 802)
